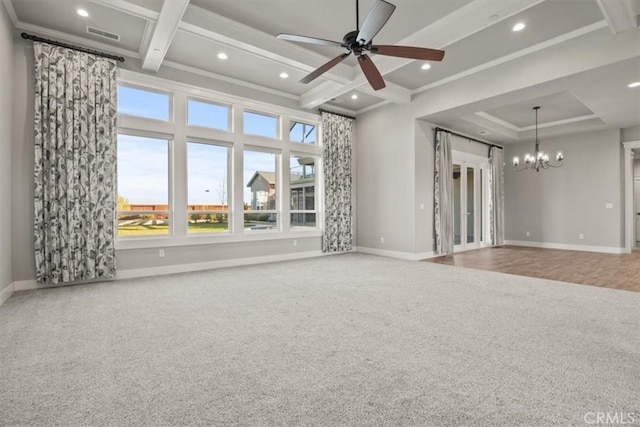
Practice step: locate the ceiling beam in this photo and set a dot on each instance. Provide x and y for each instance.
(211, 26)
(462, 23)
(163, 33)
(129, 8)
(552, 70)
(622, 15)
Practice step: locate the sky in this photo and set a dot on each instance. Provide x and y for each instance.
(143, 163)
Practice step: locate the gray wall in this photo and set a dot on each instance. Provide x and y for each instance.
(22, 197)
(630, 134)
(6, 53)
(556, 205)
(385, 179)
(394, 178)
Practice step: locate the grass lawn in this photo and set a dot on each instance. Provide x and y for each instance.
(160, 229)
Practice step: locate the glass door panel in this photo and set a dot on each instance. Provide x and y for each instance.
(470, 205)
(457, 205)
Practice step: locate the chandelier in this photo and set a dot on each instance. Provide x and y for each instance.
(539, 159)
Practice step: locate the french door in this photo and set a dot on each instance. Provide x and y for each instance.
(470, 203)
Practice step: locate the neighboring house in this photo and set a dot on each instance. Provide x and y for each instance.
(263, 191)
(302, 184)
(302, 179)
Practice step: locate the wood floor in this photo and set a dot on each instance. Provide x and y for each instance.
(587, 268)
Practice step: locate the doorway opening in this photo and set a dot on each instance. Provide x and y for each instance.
(470, 201)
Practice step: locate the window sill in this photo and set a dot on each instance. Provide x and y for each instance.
(163, 242)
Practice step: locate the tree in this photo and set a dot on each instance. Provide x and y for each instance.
(222, 191)
(123, 203)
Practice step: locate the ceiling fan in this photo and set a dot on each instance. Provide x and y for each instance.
(358, 42)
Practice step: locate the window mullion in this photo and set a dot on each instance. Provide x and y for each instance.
(285, 190)
(180, 187)
(236, 172)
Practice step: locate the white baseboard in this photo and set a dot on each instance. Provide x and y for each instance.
(6, 293)
(394, 254)
(184, 268)
(25, 285)
(584, 248)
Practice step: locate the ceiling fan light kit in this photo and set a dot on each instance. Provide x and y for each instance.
(539, 159)
(359, 42)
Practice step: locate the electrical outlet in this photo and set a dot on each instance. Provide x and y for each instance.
(526, 233)
(581, 236)
(421, 206)
(295, 242)
(382, 240)
(609, 206)
(161, 253)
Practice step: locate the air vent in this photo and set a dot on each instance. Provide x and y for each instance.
(102, 33)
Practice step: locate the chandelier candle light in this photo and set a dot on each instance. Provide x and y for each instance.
(539, 159)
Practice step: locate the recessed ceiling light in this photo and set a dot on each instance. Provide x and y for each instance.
(425, 66)
(222, 56)
(518, 27)
(82, 13)
(354, 96)
(284, 75)
(634, 84)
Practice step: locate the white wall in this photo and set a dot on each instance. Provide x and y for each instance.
(130, 259)
(556, 205)
(6, 83)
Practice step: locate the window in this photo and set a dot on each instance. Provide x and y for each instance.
(143, 186)
(207, 115)
(260, 124)
(302, 132)
(213, 172)
(260, 191)
(302, 178)
(143, 103)
(207, 174)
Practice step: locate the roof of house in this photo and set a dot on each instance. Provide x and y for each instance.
(270, 177)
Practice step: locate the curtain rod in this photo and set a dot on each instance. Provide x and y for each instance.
(322, 110)
(69, 46)
(438, 129)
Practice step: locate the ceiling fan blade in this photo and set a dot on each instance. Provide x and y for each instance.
(411, 52)
(310, 40)
(371, 72)
(375, 20)
(324, 68)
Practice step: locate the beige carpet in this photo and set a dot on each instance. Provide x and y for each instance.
(341, 340)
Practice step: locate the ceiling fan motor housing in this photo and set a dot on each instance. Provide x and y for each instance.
(351, 43)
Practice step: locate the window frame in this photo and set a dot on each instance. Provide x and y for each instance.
(278, 189)
(278, 123)
(303, 122)
(228, 177)
(143, 88)
(170, 211)
(201, 100)
(180, 133)
(316, 195)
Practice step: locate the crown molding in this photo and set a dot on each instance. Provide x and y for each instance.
(11, 12)
(515, 55)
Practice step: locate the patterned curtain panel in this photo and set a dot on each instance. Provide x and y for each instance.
(496, 208)
(75, 165)
(337, 136)
(443, 195)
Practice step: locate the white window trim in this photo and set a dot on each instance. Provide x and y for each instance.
(177, 132)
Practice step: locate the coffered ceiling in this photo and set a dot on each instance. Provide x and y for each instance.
(574, 58)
